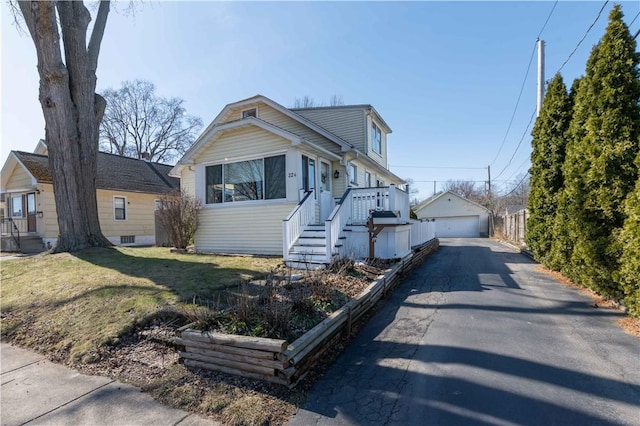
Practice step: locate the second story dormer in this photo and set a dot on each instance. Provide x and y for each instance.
(359, 125)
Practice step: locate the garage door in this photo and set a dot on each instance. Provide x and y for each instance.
(457, 227)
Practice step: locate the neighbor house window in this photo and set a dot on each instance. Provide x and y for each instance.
(127, 239)
(120, 208)
(262, 179)
(16, 206)
(376, 138)
(367, 179)
(253, 112)
(353, 174)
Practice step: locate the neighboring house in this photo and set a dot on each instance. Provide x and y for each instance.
(454, 216)
(127, 189)
(301, 183)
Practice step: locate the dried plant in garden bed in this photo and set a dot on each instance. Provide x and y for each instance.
(286, 304)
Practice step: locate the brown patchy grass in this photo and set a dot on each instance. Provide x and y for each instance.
(628, 324)
(111, 312)
(69, 305)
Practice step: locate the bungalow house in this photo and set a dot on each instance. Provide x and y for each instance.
(454, 216)
(127, 189)
(302, 183)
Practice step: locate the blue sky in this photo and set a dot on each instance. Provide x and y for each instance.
(444, 75)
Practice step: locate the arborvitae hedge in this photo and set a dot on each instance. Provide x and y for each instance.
(629, 276)
(601, 172)
(549, 143)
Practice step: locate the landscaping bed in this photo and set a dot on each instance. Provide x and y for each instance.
(116, 313)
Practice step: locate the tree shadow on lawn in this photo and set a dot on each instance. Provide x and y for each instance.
(199, 282)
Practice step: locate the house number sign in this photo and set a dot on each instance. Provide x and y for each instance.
(292, 174)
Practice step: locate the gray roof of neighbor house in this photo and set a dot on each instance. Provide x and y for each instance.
(114, 172)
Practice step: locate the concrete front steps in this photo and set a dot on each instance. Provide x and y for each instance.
(28, 244)
(310, 250)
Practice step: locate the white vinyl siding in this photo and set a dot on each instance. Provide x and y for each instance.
(188, 180)
(240, 144)
(19, 179)
(272, 116)
(346, 123)
(237, 228)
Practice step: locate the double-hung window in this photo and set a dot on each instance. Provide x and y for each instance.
(353, 173)
(261, 179)
(376, 138)
(119, 208)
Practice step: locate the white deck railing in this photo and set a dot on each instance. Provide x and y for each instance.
(422, 231)
(356, 206)
(294, 224)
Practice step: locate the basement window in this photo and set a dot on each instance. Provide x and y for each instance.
(127, 239)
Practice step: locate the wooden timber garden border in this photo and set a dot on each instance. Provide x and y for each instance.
(277, 361)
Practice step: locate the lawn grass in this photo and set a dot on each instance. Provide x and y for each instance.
(72, 304)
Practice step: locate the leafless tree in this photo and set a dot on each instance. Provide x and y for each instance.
(72, 111)
(464, 188)
(178, 216)
(308, 102)
(136, 121)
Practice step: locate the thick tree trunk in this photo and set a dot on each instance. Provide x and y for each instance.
(72, 115)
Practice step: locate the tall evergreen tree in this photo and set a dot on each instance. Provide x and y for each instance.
(629, 276)
(549, 143)
(564, 231)
(605, 132)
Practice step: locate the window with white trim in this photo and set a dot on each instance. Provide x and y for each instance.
(367, 179)
(261, 179)
(352, 170)
(376, 138)
(253, 112)
(16, 206)
(120, 208)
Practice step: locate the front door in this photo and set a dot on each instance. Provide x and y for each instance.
(31, 212)
(326, 199)
(308, 174)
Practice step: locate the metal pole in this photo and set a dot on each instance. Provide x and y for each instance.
(540, 44)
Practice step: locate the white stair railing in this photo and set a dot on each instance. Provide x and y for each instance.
(337, 220)
(292, 227)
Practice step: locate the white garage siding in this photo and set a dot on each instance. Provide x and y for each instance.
(458, 227)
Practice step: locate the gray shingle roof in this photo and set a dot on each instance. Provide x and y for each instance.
(114, 172)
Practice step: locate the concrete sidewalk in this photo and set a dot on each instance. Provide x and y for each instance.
(38, 392)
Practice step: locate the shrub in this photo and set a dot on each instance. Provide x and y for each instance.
(178, 216)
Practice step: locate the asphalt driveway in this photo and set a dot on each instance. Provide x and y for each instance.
(479, 335)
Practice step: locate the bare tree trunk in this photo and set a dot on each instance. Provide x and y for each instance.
(72, 113)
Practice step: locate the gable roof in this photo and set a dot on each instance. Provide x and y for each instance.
(436, 197)
(211, 128)
(114, 172)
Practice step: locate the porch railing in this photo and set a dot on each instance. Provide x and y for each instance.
(356, 206)
(337, 220)
(293, 225)
(13, 227)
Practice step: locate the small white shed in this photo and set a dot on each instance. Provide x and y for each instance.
(454, 216)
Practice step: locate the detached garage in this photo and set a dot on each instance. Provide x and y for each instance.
(455, 216)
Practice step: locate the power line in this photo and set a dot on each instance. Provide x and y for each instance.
(519, 143)
(548, 17)
(515, 109)
(517, 169)
(516, 187)
(584, 36)
(634, 19)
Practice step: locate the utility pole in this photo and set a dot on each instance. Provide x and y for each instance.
(540, 44)
(489, 179)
